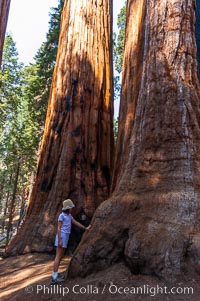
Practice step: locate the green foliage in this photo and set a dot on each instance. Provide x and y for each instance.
(118, 49)
(12, 123)
(117, 87)
(42, 70)
(119, 40)
(116, 125)
(10, 76)
(10, 93)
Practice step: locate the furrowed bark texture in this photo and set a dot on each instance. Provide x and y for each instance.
(152, 220)
(77, 147)
(197, 33)
(4, 10)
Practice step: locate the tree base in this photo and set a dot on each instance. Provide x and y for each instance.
(151, 235)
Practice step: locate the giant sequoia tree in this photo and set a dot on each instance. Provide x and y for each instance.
(77, 147)
(4, 10)
(152, 220)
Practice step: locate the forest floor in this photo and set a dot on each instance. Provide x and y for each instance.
(27, 278)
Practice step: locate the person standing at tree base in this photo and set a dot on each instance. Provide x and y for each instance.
(65, 220)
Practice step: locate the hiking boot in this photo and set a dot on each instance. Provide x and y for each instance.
(61, 276)
(57, 280)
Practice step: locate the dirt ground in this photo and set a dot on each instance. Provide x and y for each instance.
(27, 277)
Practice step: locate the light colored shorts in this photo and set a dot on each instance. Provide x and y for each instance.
(64, 237)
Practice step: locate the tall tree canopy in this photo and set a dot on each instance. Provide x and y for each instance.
(14, 132)
(43, 68)
(151, 220)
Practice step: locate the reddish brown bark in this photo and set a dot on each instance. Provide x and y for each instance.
(77, 148)
(4, 10)
(197, 33)
(13, 202)
(152, 219)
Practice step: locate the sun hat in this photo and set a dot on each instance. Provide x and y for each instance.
(68, 204)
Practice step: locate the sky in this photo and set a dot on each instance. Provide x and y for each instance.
(28, 23)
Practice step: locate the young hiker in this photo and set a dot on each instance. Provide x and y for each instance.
(65, 220)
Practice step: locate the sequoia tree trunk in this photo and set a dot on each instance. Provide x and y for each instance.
(4, 10)
(152, 220)
(77, 148)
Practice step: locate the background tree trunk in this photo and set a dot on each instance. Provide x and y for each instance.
(152, 219)
(12, 204)
(4, 10)
(77, 148)
(6, 204)
(197, 33)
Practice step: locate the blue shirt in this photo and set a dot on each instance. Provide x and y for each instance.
(66, 220)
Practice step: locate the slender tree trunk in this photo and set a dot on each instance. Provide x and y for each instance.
(4, 10)
(2, 189)
(152, 219)
(22, 211)
(197, 33)
(6, 203)
(5, 211)
(12, 204)
(77, 148)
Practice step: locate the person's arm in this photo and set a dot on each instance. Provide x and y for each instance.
(59, 237)
(74, 222)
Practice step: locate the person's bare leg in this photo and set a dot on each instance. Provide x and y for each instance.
(59, 255)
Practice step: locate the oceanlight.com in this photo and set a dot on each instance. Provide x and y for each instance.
(111, 288)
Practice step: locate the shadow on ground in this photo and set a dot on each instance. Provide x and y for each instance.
(27, 277)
